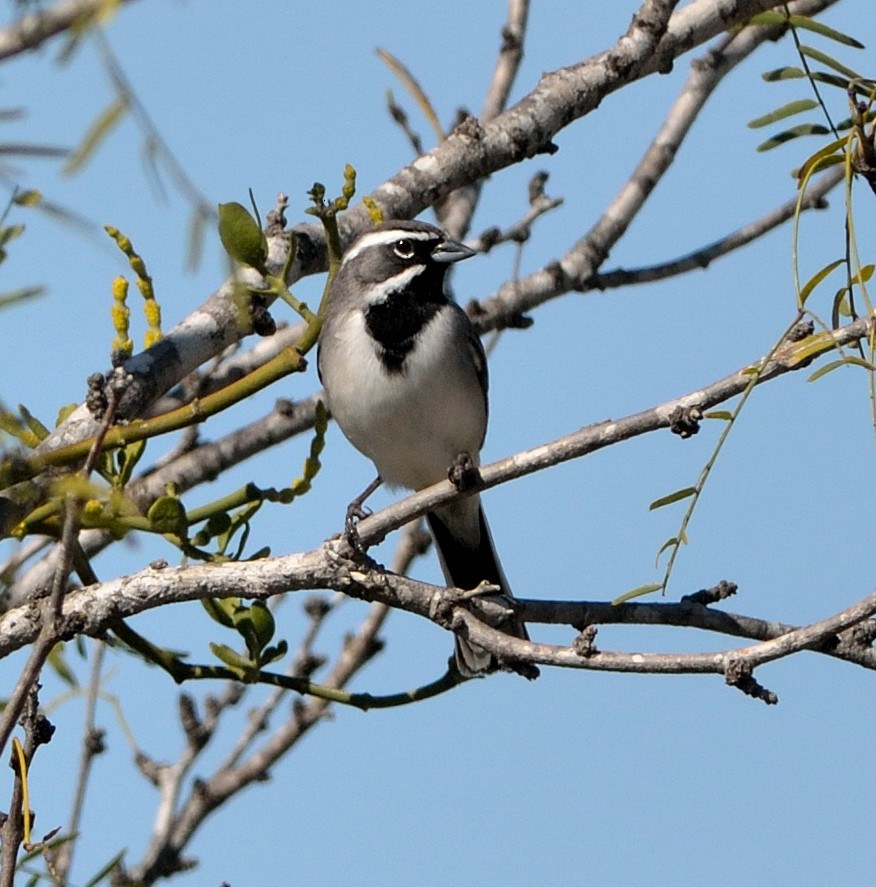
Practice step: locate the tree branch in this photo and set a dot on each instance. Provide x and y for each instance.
(30, 31)
(470, 154)
(575, 270)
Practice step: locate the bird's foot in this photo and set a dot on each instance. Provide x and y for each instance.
(355, 513)
(463, 473)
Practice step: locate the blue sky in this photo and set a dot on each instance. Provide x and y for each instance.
(617, 780)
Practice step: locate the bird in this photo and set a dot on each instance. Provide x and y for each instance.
(405, 377)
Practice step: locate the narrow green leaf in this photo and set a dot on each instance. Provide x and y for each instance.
(796, 107)
(128, 457)
(27, 198)
(851, 360)
(813, 163)
(107, 870)
(639, 591)
(841, 306)
(817, 27)
(788, 72)
(769, 17)
(795, 132)
(97, 132)
(36, 427)
(831, 80)
(20, 295)
(848, 123)
(59, 665)
(724, 415)
(22, 150)
(237, 663)
(671, 542)
(810, 347)
(10, 233)
(677, 496)
(816, 278)
(825, 59)
(862, 275)
(197, 232)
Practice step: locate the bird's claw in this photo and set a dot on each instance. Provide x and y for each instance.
(463, 473)
(355, 513)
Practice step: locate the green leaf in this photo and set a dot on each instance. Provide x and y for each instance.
(168, 515)
(639, 591)
(106, 871)
(97, 132)
(217, 524)
(221, 610)
(848, 123)
(723, 415)
(34, 425)
(795, 107)
(241, 666)
(10, 233)
(831, 80)
(241, 236)
(802, 22)
(273, 654)
(817, 27)
(197, 231)
(816, 278)
(862, 275)
(795, 132)
(841, 306)
(31, 197)
(825, 59)
(128, 457)
(810, 347)
(769, 17)
(20, 295)
(851, 360)
(59, 665)
(252, 626)
(791, 72)
(677, 496)
(813, 163)
(263, 625)
(671, 542)
(788, 72)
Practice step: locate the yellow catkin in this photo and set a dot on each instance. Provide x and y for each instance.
(151, 309)
(121, 316)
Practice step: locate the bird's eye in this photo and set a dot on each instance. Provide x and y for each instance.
(404, 249)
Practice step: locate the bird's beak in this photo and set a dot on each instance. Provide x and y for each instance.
(452, 251)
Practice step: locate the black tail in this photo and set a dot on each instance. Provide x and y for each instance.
(468, 557)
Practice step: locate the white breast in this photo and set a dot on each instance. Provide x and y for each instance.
(411, 424)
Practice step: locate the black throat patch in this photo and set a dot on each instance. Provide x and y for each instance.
(397, 321)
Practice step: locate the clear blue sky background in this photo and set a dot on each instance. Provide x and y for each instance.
(578, 777)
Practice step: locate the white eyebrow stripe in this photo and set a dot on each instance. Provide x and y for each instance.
(385, 238)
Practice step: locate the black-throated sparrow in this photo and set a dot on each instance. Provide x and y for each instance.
(406, 379)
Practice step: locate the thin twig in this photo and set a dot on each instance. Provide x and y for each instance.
(91, 746)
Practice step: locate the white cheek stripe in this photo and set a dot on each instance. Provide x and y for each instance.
(394, 284)
(384, 238)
